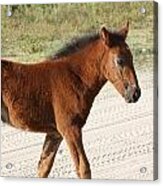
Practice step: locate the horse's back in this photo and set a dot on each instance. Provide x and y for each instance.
(6, 65)
(5, 62)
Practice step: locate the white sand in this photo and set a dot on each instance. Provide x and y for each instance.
(118, 139)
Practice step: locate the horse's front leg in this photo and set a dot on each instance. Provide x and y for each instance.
(50, 147)
(73, 137)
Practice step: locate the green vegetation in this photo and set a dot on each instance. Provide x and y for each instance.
(37, 31)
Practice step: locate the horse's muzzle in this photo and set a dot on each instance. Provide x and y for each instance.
(132, 94)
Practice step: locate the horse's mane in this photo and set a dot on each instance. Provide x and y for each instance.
(80, 42)
(75, 45)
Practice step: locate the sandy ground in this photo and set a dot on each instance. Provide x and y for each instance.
(118, 139)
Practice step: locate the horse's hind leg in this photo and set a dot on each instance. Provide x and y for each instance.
(50, 147)
(73, 137)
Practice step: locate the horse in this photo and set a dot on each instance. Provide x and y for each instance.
(55, 96)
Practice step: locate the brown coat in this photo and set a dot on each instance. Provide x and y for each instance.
(55, 96)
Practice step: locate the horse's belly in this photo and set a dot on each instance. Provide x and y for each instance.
(32, 114)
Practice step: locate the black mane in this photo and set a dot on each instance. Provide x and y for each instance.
(75, 45)
(80, 42)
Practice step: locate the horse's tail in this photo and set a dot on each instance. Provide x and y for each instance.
(6, 68)
(4, 112)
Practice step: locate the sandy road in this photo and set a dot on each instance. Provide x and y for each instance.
(118, 139)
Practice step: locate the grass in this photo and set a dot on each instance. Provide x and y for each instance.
(34, 32)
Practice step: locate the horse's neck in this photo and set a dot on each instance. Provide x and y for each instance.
(89, 61)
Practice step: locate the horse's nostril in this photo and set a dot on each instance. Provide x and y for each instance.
(126, 86)
(137, 94)
(132, 94)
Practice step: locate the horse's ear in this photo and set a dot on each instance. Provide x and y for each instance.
(124, 30)
(104, 34)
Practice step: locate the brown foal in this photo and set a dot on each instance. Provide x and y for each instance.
(56, 95)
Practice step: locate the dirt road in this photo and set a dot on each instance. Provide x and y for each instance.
(118, 139)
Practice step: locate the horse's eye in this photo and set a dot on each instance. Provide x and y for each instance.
(120, 60)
